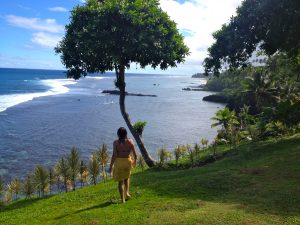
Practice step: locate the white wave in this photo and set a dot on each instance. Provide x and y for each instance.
(96, 78)
(58, 86)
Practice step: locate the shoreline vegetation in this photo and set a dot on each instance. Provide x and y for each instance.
(250, 172)
(252, 183)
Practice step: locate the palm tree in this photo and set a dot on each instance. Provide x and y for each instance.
(74, 165)
(259, 88)
(83, 173)
(63, 170)
(41, 179)
(103, 158)
(52, 179)
(14, 187)
(28, 187)
(93, 168)
(223, 117)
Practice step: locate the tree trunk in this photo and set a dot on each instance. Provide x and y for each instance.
(120, 73)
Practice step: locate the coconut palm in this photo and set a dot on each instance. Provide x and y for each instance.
(259, 88)
(93, 168)
(41, 179)
(74, 165)
(83, 173)
(63, 170)
(103, 158)
(52, 178)
(28, 187)
(14, 187)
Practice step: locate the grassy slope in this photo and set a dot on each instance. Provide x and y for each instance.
(256, 184)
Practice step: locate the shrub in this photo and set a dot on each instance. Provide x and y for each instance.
(204, 142)
(275, 128)
(163, 155)
(139, 127)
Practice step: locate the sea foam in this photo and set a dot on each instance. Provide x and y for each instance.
(57, 86)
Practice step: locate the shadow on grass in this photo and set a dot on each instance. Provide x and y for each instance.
(259, 177)
(102, 205)
(21, 204)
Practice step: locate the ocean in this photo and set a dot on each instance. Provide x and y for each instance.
(43, 114)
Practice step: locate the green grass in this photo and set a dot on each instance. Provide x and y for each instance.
(257, 183)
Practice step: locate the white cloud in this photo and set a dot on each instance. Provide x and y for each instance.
(45, 39)
(47, 25)
(197, 20)
(58, 9)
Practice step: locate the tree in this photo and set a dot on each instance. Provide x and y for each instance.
(177, 154)
(271, 25)
(52, 178)
(63, 170)
(93, 168)
(259, 87)
(223, 116)
(103, 159)
(83, 173)
(74, 165)
(41, 179)
(111, 34)
(28, 186)
(15, 186)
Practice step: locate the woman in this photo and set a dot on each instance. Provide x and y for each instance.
(121, 162)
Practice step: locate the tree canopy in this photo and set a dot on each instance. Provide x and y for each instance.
(103, 35)
(271, 25)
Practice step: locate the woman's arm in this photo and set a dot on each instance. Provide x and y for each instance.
(113, 157)
(134, 153)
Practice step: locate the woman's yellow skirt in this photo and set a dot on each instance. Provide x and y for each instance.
(122, 169)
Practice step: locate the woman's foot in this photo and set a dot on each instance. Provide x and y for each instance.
(128, 196)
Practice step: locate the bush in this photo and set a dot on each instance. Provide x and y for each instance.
(163, 156)
(139, 127)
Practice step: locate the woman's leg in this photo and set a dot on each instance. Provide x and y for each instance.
(127, 183)
(121, 190)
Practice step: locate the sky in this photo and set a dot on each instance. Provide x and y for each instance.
(30, 29)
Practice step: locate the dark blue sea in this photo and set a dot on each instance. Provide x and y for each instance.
(43, 114)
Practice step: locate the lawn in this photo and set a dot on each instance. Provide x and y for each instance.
(258, 183)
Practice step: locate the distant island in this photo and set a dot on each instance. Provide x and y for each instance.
(199, 75)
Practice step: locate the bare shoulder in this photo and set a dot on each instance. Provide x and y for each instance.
(131, 141)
